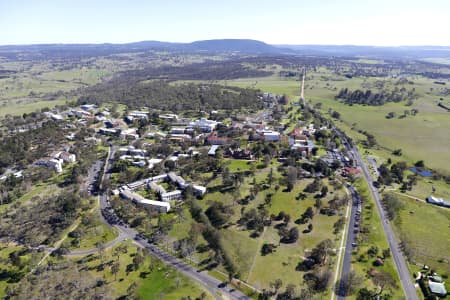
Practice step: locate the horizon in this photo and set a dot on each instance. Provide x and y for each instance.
(375, 23)
(218, 39)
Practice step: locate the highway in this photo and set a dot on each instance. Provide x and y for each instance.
(397, 255)
(217, 288)
(400, 262)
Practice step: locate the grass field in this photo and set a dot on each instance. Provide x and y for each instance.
(91, 236)
(426, 230)
(245, 251)
(161, 282)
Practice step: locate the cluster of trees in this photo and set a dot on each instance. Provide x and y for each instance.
(394, 173)
(43, 220)
(208, 70)
(392, 205)
(370, 98)
(214, 238)
(255, 220)
(164, 96)
(25, 147)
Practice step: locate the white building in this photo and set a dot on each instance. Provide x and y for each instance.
(173, 195)
(159, 205)
(204, 125)
(199, 190)
(269, 135)
(170, 117)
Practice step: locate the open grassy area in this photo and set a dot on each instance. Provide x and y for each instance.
(90, 235)
(425, 231)
(245, 250)
(424, 136)
(153, 278)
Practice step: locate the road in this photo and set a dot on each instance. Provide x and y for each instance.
(400, 262)
(213, 285)
(351, 237)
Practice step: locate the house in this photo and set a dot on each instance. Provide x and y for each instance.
(140, 115)
(129, 134)
(109, 131)
(82, 114)
(212, 150)
(204, 125)
(139, 163)
(180, 137)
(177, 130)
(198, 190)
(437, 288)
(214, 139)
(88, 107)
(170, 117)
(350, 171)
(153, 161)
(52, 163)
(269, 135)
(68, 157)
(437, 201)
(240, 153)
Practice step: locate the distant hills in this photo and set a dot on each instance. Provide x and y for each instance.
(230, 46)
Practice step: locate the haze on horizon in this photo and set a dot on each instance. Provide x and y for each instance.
(322, 22)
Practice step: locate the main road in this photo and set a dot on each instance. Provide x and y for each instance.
(397, 255)
(217, 288)
(351, 235)
(399, 260)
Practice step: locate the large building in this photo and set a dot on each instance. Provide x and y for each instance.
(204, 125)
(158, 205)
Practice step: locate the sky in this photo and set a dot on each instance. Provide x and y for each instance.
(323, 22)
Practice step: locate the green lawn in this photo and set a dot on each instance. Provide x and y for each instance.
(426, 230)
(162, 281)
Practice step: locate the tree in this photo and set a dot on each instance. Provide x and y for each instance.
(420, 164)
(289, 293)
(383, 279)
(372, 251)
(336, 115)
(132, 288)
(365, 294)
(138, 259)
(348, 284)
(276, 285)
(101, 249)
(324, 191)
(292, 175)
(320, 252)
(115, 267)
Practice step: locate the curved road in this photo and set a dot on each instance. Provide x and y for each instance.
(217, 288)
